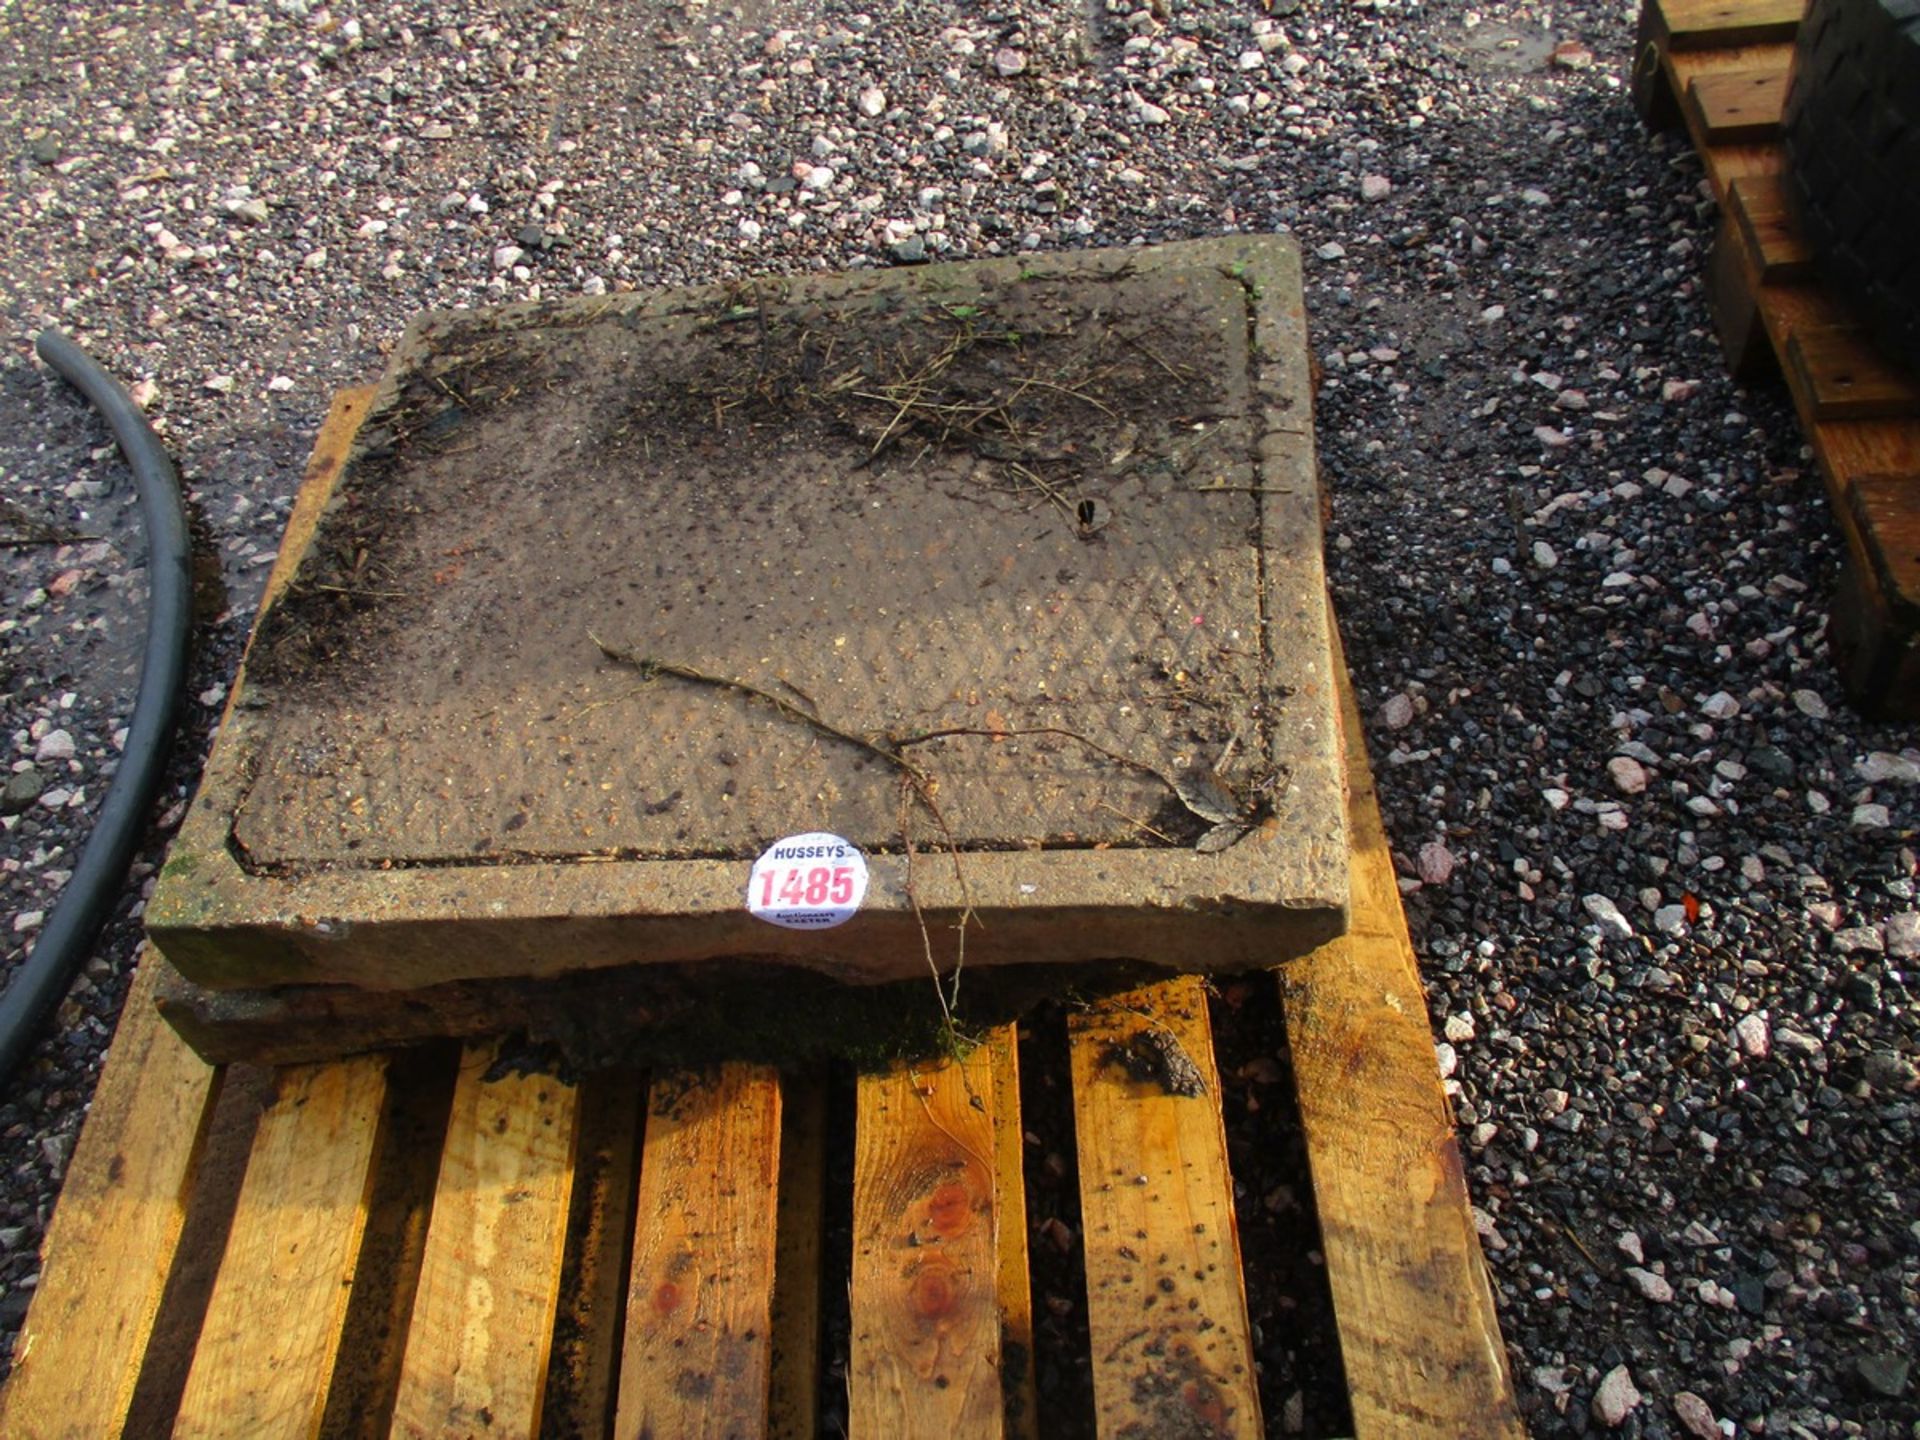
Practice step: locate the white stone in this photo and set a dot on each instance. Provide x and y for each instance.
(1459, 1028)
(1448, 1060)
(1607, 915)
(1871, 817)
(1616, 1398)
(1375, 187)
(1651, 1286)
(1882, 766)
(1696, 1415)
(247, 208)
(1670, 919)
(1810, 705)
(1629, 775)
(1797, 1041)
(280, 384)
(1902, 934)
(1755, 1040)
(54, 745)
(1627, 1242)
(1544, 555)
(1489, 1232)
(219, 384)
(1858, 939)
(1008, 62)
(1397, 713)
(1720, 706)
(873, 102)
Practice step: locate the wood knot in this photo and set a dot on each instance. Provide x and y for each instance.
(935, 1288)
(950, 1210)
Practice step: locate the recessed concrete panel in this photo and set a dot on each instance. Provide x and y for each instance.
(1007, 573)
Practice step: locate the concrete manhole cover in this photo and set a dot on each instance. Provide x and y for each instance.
(1007, 574)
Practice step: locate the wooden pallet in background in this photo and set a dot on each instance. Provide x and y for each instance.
(425, 1243)
(1720, 68)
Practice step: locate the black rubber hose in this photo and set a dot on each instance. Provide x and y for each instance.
(44, 977)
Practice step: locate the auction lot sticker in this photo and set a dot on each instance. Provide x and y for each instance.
(808, 882)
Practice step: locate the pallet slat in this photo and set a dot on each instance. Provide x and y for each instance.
(1878, 624)
(1886, 510)
(581, 1386)
(111, 1244)
(1418, 1332)
(1670, 34)
(477, 1343)
(1674, 74)
(1843, 377)
(1167, 1311)
(1760, 207)
(1012, 1282)
(697, 1352)
(1722, 24)
(271, 1337)
(926, 1353)
(1875, 632)
(1736, 318)
(1738, 107)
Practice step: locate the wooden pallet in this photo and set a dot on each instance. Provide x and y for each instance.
(1720, 67)
(414, 1244)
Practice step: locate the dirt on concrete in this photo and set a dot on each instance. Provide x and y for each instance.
(898, 509)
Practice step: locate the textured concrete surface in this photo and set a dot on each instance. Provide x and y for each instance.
(1062, 511)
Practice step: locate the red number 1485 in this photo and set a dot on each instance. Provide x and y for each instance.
(820, 885)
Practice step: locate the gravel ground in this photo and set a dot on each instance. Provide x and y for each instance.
(1661, 876)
